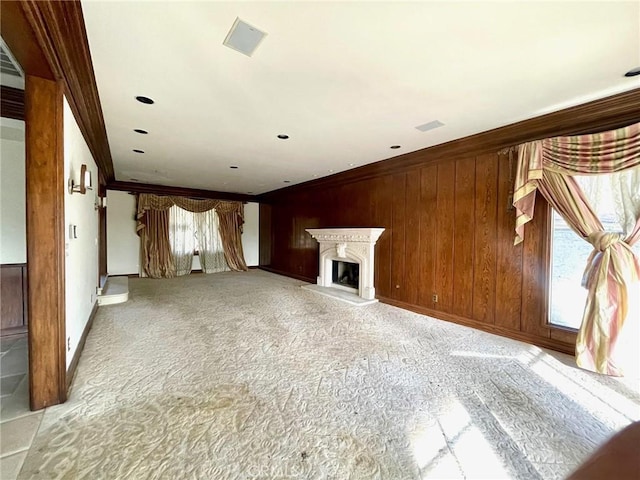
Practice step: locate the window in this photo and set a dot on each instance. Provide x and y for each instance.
(196, 234)
(569, 252)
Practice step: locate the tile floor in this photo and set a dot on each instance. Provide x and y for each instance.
(18, 425)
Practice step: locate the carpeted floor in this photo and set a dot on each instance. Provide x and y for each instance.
(246, 375)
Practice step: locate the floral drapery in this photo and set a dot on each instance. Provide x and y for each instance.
(156, 259)
(548, 166)
(231, 216)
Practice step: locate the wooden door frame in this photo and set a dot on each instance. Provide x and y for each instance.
(48, 39)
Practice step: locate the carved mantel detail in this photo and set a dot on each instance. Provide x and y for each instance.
(348, 244)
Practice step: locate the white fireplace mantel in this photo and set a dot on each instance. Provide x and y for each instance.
(348, 244)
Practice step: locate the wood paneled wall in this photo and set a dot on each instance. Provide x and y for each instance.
(449, 238)
(448, 246)
(13, 292)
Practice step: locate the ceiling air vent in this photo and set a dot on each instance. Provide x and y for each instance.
(430, 126)
(7, 63)
(244, 38)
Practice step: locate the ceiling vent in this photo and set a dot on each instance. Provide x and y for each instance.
(244, 38)
(8, 64)
(430, 126)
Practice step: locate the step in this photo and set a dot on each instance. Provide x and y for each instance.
(116, 291)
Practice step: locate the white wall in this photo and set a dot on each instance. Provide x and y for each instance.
(13, 235)
(123, 245)
(81, 266)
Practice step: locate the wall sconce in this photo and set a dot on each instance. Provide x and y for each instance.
(85, 181)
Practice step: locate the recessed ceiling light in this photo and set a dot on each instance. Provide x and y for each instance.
(352, 164)
(633, 72)
(146, 100)
(287, 181)
(395, 146)
(233, 166)
(139, 130)
(138, 151)
(330, 171)
(429, 126)
(283, 136)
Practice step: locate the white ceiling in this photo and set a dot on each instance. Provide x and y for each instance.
(345, 80)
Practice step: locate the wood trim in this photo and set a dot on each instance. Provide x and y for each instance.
(60, 31)
(22, 41)
(12, 102)
(44, 168)
(607, 113)
(486, 327)
(71, 371)
(177, 191)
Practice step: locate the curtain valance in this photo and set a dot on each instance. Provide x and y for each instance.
(148, 201)
(590, 154)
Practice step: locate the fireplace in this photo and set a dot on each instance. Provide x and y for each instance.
(347, 260)
(346, 275)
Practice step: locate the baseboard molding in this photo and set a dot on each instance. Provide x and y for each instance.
(287, 274)
(71, 371)
(549, 343)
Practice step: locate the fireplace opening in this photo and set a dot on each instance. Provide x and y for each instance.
(346, 274)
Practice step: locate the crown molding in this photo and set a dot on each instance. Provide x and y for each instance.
(59, 30)
(135, 187)
(600, 115)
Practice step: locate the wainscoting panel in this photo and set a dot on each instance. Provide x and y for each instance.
(484, 269)
(13, 292)
(427, 209)
(509, 257)
(463, 240)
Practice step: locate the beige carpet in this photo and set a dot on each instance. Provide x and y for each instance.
(246, 375)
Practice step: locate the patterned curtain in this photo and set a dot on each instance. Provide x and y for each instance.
(212, 258)
(231, 234)
(157, 260)
(231, 217)
(548, 166)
